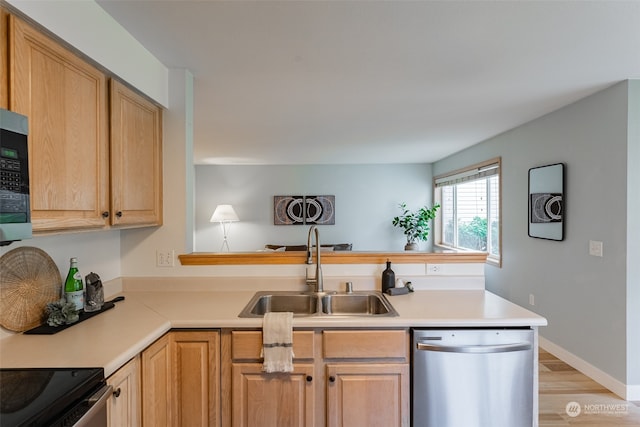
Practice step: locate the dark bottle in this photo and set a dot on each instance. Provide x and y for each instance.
(388, 278)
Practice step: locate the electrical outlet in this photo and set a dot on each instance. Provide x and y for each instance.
(434, 269)
(532, 299)
(595, 248)
(164, 258)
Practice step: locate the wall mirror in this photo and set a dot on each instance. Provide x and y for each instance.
(546, 202)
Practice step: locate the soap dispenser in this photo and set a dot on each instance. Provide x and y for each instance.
(388, 278)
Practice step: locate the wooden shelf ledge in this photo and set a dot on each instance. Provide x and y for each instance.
(300, 257)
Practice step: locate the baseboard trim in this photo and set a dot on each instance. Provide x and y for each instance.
(625, 391)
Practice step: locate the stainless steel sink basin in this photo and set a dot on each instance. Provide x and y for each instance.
(371, 304)
(368, 303)
(298, 303)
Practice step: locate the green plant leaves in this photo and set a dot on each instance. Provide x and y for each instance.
(415, 224)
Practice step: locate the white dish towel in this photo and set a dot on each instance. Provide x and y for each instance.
(277, 342)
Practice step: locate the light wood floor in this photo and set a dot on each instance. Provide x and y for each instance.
(563, 387)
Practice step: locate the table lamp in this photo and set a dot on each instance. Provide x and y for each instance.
(225, 215)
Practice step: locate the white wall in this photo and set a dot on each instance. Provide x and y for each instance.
(97, 251)
(584, 298)
(139, 246)
(367, 198)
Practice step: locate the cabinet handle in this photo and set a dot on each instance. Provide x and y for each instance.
(309, 378)
(105, 214)
(119, 214)
(332, 379)
(117, 392)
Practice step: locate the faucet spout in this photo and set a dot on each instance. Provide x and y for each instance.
(317, 282)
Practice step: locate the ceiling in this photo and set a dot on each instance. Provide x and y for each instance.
(352, 82)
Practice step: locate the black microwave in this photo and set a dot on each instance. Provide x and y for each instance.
(15, 210)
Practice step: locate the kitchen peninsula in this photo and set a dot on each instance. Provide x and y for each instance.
(164, 322)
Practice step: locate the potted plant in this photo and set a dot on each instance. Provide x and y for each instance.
(415, 224)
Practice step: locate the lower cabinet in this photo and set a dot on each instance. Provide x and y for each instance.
(341, 378)
(123, 408)
(367, 377)
(196, 378)
(181, 380)
(346, 378)
(283, 400)
(367, 395)
(156, 383)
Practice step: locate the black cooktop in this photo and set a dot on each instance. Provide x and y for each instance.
(39, 396)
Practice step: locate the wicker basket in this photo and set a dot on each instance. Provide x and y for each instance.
(29, 280)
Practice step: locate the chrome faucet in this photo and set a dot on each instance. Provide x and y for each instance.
(317, 281)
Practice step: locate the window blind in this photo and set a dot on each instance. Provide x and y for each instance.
(468, 175)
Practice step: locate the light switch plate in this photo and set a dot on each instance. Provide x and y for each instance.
(595, 248)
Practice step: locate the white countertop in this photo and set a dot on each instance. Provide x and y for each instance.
(112, 338)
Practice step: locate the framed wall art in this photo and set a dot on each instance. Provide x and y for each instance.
(546, 202)
(320, 210)
(298, 210)
(288, 210)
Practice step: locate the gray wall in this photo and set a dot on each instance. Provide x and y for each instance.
(633, 236)
(583, 297)
(367, 198)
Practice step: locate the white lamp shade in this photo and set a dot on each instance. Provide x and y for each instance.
(224, 213)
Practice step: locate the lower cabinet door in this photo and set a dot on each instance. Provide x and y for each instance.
(156, 384)
(123, 409)
(272, 400)
(367, 395)
(196, 385)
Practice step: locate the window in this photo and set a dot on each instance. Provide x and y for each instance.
(469, 217)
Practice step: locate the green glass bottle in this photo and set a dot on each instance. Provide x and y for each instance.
(73, 286)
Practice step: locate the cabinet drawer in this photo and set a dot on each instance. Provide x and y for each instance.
(364, 344)
(248, 344)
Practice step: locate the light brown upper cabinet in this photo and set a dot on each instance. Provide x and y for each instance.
(79, 178)
(65, 99)
(4, 58)
(136, 158)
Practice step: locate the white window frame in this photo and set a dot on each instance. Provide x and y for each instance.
(468, 174)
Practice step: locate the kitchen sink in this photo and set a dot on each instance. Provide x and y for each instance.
(371, 304)
(305, 304)
(299, 304)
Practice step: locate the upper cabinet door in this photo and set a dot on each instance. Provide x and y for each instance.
(65, 99)
(4, 58)
(136, 158)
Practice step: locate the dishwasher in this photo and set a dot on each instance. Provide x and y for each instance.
(472, 378)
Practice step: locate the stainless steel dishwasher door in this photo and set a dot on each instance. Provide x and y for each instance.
(472, 378)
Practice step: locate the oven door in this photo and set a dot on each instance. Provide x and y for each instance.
(90, 412)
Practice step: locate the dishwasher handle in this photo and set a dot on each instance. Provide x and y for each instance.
(476, 349)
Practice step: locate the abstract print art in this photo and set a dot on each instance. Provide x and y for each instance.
(299, 210)
(546, 202)
(546, 207)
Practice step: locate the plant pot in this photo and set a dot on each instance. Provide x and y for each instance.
(411, 247)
